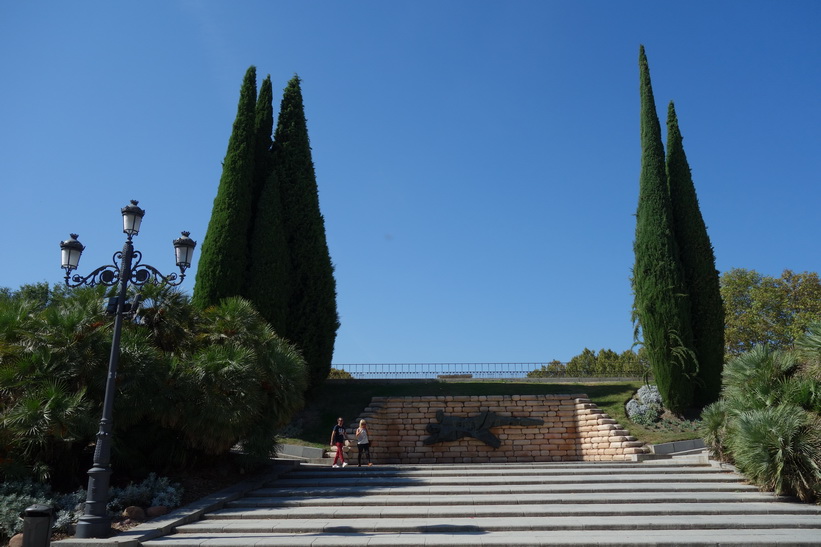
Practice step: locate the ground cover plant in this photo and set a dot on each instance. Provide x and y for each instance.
(648, 418)
(16, 496)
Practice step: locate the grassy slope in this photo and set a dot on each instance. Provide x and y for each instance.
(349, 399)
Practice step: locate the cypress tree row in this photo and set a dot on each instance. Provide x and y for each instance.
(268, 285)
(312, 316)
(268, 203)
(224, 258)
(660, 305)
(698, 264)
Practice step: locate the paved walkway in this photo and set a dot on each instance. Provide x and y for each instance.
(661, 502)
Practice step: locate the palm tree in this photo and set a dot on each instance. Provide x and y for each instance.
(192, 382)
(169, 316)
(767, 422)
(779, 448)
(253, 369)
(809, 349)
(46, 417)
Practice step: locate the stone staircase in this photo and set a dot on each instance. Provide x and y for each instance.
(673, 502)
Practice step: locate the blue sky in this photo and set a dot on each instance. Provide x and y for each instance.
(477, 161)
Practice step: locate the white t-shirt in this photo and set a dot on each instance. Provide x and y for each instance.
(361, 436)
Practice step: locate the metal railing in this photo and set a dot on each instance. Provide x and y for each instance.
(436, 370)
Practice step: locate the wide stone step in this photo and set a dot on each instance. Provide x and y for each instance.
(501, 489)
(368, 482)
(563, 468)
(515, 510)
(569, 505)
(591, 498)
(786, 537)
(451, 524)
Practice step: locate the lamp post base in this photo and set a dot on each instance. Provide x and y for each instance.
(91, 526)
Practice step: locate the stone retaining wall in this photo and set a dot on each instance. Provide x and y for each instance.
(574, 429)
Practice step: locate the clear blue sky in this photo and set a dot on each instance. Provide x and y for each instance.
(477, 161)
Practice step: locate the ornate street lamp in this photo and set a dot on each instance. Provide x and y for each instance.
(95, 522)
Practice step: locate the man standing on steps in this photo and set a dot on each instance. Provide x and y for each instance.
(338, 436)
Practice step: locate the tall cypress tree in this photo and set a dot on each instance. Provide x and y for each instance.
(224, 258)
(660, 304)
(267, 286)
(312, 314)
(263, 129)
(699, 267)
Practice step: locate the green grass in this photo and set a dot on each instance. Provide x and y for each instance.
(349, 398)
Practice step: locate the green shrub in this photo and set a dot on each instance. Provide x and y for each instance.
(193, 383)
(804, 392)
(767, 422)
(780, 449)
(714, 424)
(756, 378)
(809, 349)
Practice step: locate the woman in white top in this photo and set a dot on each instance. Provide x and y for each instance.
(363, 442)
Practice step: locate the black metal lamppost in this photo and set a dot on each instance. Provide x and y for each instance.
(95, 522)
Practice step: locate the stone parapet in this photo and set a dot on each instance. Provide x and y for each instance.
(574, 429)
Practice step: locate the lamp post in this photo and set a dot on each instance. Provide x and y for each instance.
(95, 522)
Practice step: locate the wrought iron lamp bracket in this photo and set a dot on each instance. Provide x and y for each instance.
(110, 274)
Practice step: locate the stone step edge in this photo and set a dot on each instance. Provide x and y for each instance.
(382, 502)
(473, 490)
(524, 523)
(668, 508)
(570, 538)
(559, 499)
(669, 465)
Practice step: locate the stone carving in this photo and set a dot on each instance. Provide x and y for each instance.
(452, 428)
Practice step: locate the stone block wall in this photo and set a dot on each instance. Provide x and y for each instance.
(574, 429)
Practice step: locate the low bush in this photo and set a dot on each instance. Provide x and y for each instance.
(646, 407)
(767, 420)
(640, 413)
(649, 395)
(16, 496)
(153, 491)
(192, 384)
(779, 448)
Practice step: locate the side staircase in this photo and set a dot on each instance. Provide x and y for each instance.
(682, 502)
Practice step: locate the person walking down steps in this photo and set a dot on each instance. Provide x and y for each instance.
(338, 437)
(363, 442)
